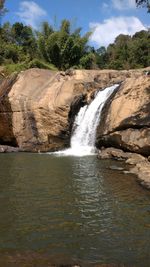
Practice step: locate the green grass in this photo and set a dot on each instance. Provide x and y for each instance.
(12, 68)
(36, 63)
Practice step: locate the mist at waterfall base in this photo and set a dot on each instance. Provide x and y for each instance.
(83, 138)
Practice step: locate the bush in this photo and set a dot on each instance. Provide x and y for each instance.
(11, 68)
(87, 61)
(36, 63)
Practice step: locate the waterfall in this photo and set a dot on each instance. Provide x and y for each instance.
(85, 125)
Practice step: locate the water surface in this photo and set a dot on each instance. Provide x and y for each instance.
(71, 209)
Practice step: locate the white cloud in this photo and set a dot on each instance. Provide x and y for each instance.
(105, 33)
(30, 13)
(123, 4)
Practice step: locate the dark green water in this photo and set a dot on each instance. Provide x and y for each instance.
(71, 209)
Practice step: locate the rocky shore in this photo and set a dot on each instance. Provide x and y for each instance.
(137, 164)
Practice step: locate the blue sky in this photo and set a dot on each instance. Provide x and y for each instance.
(106, 18)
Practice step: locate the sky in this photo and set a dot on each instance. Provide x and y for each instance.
(105, 18)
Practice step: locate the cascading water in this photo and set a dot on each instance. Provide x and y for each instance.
(85, 125)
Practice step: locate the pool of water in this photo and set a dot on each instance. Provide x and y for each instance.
(71, 209)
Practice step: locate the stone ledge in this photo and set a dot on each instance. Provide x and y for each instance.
(9, 149)
(139, 165)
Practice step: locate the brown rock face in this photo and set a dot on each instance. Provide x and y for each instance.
(36, 110)
(6, 128)
(125, 121)
(135, 140)
(37, 107)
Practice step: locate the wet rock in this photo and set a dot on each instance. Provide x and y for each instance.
(136, 158)
(139, 165)
(142, 171)
(9, 149)
(116, 168)
(113, 153)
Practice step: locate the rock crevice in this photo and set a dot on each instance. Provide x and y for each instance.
(38, 107)
(125, 121)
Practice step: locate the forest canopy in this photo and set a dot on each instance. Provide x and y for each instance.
(22, 47)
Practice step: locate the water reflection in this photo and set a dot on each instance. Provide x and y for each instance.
(109, 211)
(89, 190)
(76, 207)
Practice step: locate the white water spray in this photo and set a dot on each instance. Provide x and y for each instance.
(86, 122)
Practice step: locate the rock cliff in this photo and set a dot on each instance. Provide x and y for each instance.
(125, 121)
(37, 108)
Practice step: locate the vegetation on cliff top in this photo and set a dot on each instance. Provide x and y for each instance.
(22, 47)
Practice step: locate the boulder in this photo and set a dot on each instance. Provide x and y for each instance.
(125, 121)
(142, 171)
(133, 140)
(138, 164)
(114, 153)
(9, 149)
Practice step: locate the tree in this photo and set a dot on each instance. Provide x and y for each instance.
(42, 39)
(87, 61)
(65, 26)
(101, 57)
(2, 2)
(126, 52)
(62, 47)
(47, 29)
(2, 9)
(53, 49)
(144, 3)
(24, 37)
(139, 55)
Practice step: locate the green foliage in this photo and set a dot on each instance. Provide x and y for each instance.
(3, 10)
(101, 57)
(37, 63)
(126, 52)
(63, 48)
(144, 3)
(11, 68)
(46, 30)
(87, 61)
(65, 26)
(53, 49)
(23, 36)
(12, 53)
